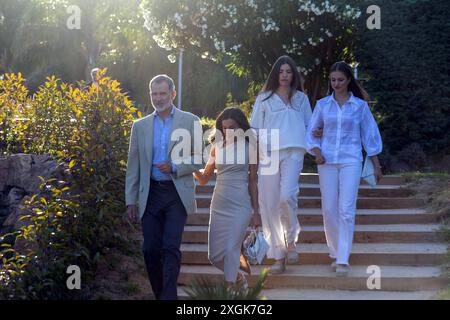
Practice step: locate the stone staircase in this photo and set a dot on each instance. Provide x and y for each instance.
(392, 231)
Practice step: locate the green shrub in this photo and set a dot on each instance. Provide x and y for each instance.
(404, 62)
(13, 103)
(35, 268)
(89, 130)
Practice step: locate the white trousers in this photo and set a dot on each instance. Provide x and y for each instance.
(339, 185)
(278, 199)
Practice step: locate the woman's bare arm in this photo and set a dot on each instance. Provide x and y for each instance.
(205, 176)
(377, 168)
(253, 191)
(253, 187)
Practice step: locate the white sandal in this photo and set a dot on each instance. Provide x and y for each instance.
(342, 270)
(278, 267)
(292, 257)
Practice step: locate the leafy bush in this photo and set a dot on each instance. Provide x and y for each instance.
(413, 155)
(88, 128)
(204, 289)
(13, 102)
(404, 61)
(35, 268)
(207, 123)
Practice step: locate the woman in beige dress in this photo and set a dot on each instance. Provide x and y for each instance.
(234, 202)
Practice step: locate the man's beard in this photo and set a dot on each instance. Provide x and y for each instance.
(161, 108)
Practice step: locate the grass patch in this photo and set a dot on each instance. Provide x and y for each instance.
(444, 234)
(444, 294)
(416, 175)
(434, 189)
(131, 288)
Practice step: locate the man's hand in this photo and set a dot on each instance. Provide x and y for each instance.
(317, 133)
(165, 167)
(132, 213)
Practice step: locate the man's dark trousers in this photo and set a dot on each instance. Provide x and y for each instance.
(163, 224)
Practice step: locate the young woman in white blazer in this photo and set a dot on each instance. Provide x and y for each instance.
(281, 108)
(348, 125)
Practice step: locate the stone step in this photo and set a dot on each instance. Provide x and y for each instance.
(314, 178)
(386, 180)
(313, 190)
(407, 254)
(312, 294)
(392, 233)
(320, 294)
(313, 216)
(393, 278)
(204, 201)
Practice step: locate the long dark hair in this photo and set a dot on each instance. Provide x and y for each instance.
(232, 113)
(273, 83)
(353, 86)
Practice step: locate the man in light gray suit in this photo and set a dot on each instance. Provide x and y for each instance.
(159, 183)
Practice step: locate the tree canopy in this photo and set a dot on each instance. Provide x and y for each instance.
(407, 63)
(35, 40)
(254, 33)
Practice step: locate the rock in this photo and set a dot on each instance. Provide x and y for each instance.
(20, 171)
(4, 165)
(19, 177)
(45, 167)
(25, 169)
(14, 198)
(13, 219)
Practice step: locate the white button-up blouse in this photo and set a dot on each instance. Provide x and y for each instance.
(289, 120)
(346, 130)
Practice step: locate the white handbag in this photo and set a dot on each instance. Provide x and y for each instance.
(255, 246)
(368, 173)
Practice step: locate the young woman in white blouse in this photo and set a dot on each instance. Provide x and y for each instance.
(348, 125)
(281, 108)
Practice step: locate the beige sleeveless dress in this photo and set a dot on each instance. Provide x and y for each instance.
(230, 210)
